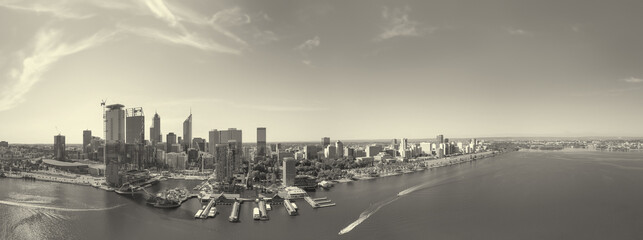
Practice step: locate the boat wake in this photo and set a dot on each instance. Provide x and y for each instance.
(366, 214)
(28, 205)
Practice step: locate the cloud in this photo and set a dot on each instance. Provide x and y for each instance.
(161, 11)
(185, 39)
(633, 80)
(56, 9)
(48, 49)
(309, 44)
(231, 16)
(519, 32)
(399, 25)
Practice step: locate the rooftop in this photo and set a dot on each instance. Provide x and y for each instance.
(62, 164)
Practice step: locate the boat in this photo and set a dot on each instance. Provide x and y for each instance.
(234, 214)
(268, 207)
(255, 213)
(198, 213)
(213, 212)
(294, 206)
(325, 184)
(289, 208)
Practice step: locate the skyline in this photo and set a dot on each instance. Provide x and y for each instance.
(306, 69)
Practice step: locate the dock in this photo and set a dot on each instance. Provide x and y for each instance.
(319, 202)
(290, 208)
(234, 215)
(205, 212)
(262, 210)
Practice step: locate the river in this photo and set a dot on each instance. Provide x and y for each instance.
(520, 195)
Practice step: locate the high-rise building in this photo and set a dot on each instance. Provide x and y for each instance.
(155, 130)
(289, 172)
(213, 140)
(330, 152)
(440, 138)
(199, 144)
(310, 151)
(135, 126)
(87, 139)
(4, 144)
(325, 141)
(261, 143)
(231, 134)
(115, 154)
(227, 160)
(170, 140)
(339, 148)
(187, 132)
(115, 117)
(59, 147)
(373, 150)
(403, 146)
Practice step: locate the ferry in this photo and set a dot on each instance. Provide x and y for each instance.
(198, 213)
(294, 206)
(255, 213)
(234, 215)
(213, 212)
(268, 207)
(289, 208)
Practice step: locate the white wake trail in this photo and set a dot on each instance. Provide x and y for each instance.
(27, 205)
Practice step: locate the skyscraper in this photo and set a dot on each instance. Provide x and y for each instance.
(403, 146)
(339, 148)
(325, 141)
(170, 140)
(135, 126)
(227, 160)
(155, 130)
(288, 172)
(440, 138)
(261, 143)
(187, 132)
(87, 139)
(213, 140)
(231, 134)
(59, 147)
(115, 128)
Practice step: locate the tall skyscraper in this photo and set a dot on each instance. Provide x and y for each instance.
(155, 130)
(231, 134)
(339, 148)
(135, 126)
(440, 138)
(325, 141)
(261, 143)
(59, 147)
(213, 140)
(115, 117)
(187, 132)
(170, 140)
(227, 160)
(87, 139)
(403, 146)
(289, 172)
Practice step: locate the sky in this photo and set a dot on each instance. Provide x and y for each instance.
(363, 69)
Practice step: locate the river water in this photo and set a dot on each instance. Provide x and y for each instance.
(520, 195)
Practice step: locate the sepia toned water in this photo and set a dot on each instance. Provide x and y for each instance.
(521, 195)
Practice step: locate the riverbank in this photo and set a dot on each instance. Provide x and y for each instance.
(412, 166)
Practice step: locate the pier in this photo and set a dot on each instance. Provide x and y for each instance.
(234, 215)
(319, 202)
(262, 210)
(290, 208)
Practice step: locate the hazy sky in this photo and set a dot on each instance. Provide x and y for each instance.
(307, 69)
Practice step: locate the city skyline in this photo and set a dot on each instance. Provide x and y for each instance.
(306, 70)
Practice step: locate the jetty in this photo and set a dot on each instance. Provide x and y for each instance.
(290, 208)
(234, 215)
(319, 202)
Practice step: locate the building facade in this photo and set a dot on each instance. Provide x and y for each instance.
(115, 125)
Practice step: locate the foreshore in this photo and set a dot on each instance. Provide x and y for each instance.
(412, 166)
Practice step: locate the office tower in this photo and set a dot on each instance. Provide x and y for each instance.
(155, 130)
(310, 151)
(4, 144)
(261, 143)
(115, 125)
(330, 152)
(170, 141)
(339, 148)
(199, 144)
(325, 141)
(180, 141)
(440, 138)
(473, 144)
(227, 160)
(403, 146)
(373, 150)
(115, 154)
(87, 139)
(135, 126)
(59, 147)
(446, 140)
(187, 132)
(231, 134)
(288, 172)
(213, 138)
